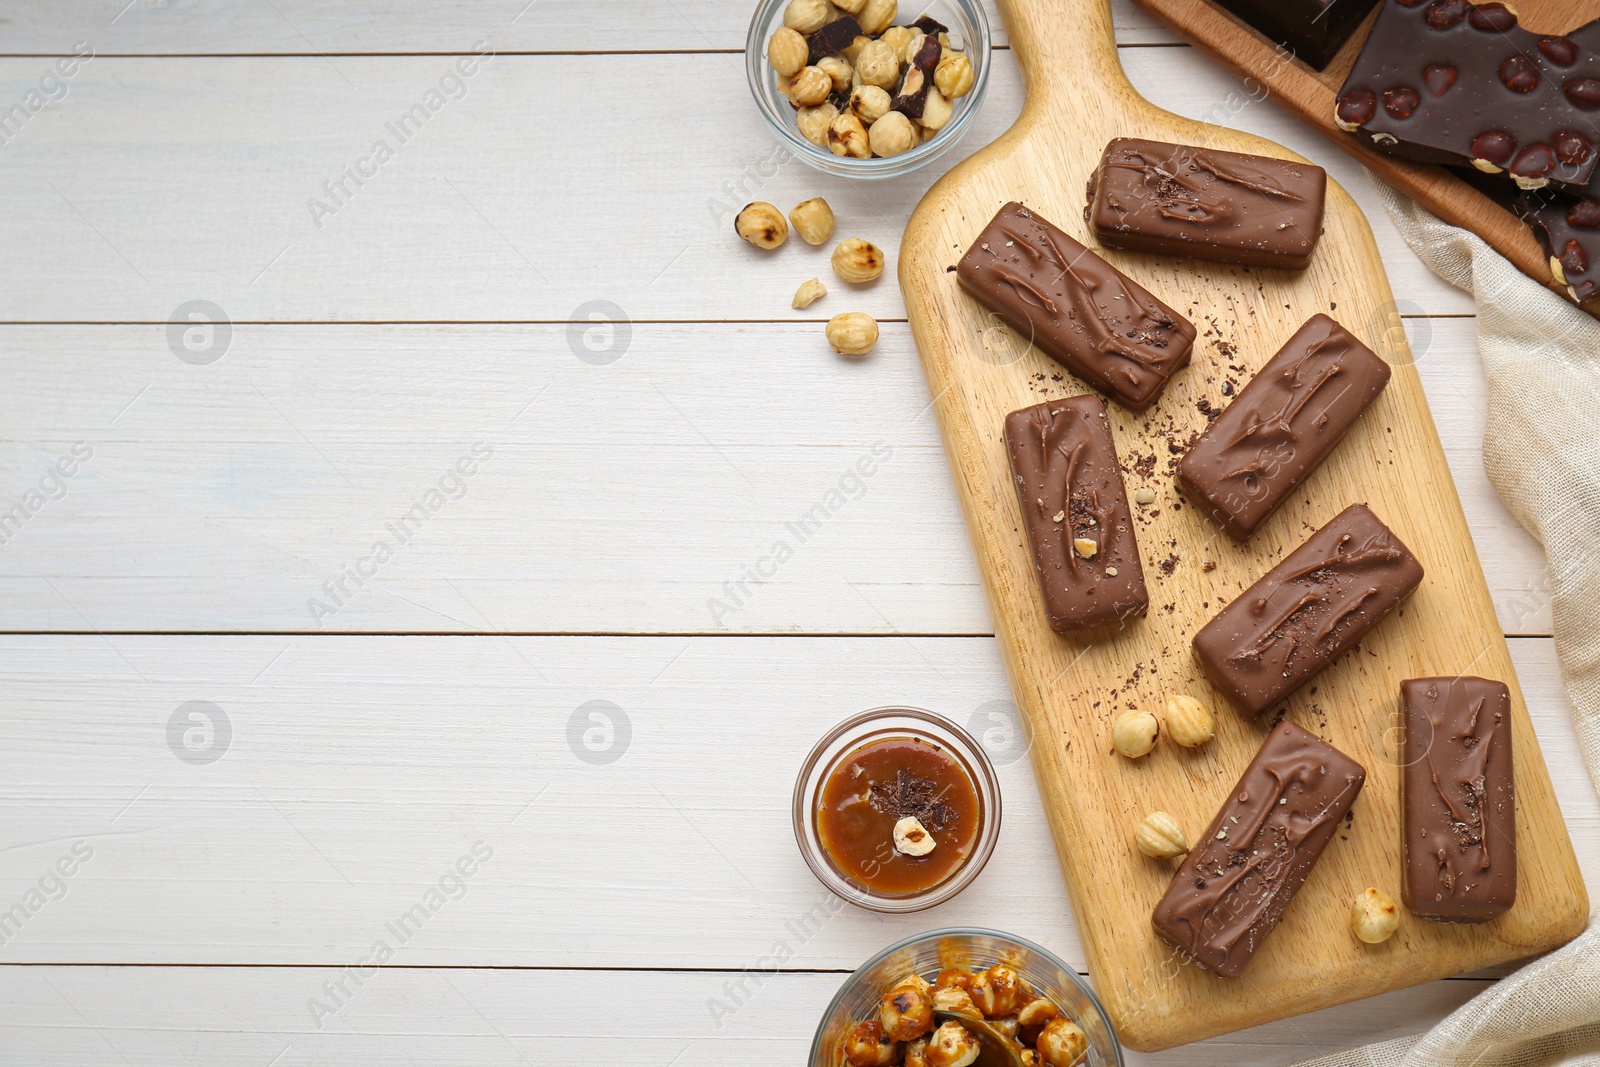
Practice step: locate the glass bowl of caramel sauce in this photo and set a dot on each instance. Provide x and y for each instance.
(896, 809)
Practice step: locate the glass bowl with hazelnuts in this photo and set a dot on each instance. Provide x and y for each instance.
(868, 88)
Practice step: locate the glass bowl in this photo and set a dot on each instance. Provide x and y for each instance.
(974, 949)
(873, 725)
(969, 31)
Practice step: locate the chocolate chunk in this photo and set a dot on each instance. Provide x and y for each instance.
(918, 80)
(1313, 30)
(1458, 823)
(1078, 309)
(1284, 423)
(832, 39)
(1234, 887)
(1302, 614)
(930, 26)
(1149, 196)
(1075, 508)
(1464, 84)
(1568, 228)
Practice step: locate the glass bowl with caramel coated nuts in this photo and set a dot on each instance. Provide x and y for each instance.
(905, 1005)
(884, 101)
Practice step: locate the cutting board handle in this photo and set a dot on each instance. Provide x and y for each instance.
(1067, 49)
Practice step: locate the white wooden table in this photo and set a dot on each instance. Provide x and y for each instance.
(522, 745)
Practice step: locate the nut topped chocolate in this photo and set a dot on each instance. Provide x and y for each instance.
(1078, 309)
(1150, 196)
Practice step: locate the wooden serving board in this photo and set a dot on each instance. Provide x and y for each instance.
(1309, 94)
(1071, 688)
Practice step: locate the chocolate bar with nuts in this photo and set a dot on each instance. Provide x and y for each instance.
(1075, 509)
(1458, 803)
(1304, 613)
(1309, 30)
(1077, 308)
(1568, 228)
(1178, 200)
(1237, 882)
(1284, 423)
(1455, 82)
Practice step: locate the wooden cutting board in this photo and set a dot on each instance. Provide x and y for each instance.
(1309, 94)
(1071, 688)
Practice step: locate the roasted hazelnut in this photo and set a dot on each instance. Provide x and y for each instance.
(916, 981)
(1134, 733)
(1007, 1026)
(869, 102)
(906, 1012)
(852, 7)
(953, 76)
(868, 1046)
(1189, 722)
(876, 16)
(838, 70)
(952, 978)
(762, 225)
(787, 51)
(909, 50)
(1373, 916)
(956, 1000)
(1036, 1013)
(853, 333)
(857, 261)
(1160, 837)
(878, 65)
(809, 87)
(892, 134)
(917, 1053)
(1062, 1044)
(852, 51)
(1355, 109)
(997, 991)
(847, 137)
(812, 220)
(807, 16)
(814, 123)
(896, 37)
(936, 110)
(811, 290)
(911, 838)
(952, 1046)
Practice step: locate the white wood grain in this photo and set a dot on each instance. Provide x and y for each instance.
(157, 181)
(620, 498)
(360, 769)
(245, 1017)
(304, 27)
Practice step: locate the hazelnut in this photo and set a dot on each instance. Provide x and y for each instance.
(869, 102)
(1145, 495)
(1085, 547)
(953, 75)
(838, 70)
(896, 37)
(1062, 1044)
(852, 51)
(1036, 1013)
(1028, 1058)
(868, 1046)
(956, 1001)
(807, 16)
(876, 16)
(893, 134)
(814, 123)
(1557, 272)
(852, 6)
(952, 1046)
(809, 293)
(787, 51)
(916, 1053)
(1373, 916)
(906, 1012)
(997, 991)
(847, 137)
(1135, 733)
(812, 220)
(1160, 837)
(878, 65)
(952, 978)
(911, 838)
(1189, 722)
(909, 50)
(809, 87)
(857, 261)
(853, 333)
(762, 225)
(936, 110)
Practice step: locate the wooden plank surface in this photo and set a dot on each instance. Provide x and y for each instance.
(1072, 687)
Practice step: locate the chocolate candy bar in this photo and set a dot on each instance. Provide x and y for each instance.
(1234, 887)
(1455, 82)
(1459, 825)
(1078, 309)
(1282, 425)
(1568, 228)
(1299, 616)
(1075, 508)
(1313, 30)
(1176, 200)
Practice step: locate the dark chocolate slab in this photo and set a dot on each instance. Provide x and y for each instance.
(1313, 30)
(1458, 823)
(1077, 308)
(1282, 425)
(1303, 613)
(1235, 885)
(1448, 81)
(1177, 200)
(1069, 485)
(1568, 229)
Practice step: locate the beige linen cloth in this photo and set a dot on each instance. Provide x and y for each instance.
(1541, 448)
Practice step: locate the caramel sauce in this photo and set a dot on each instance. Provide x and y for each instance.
(877, 784)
